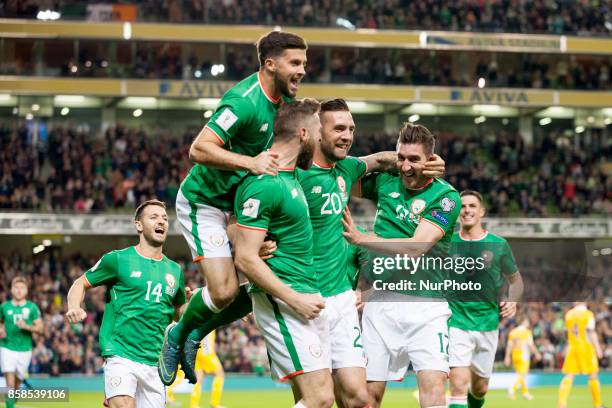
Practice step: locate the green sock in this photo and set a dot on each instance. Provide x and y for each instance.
(240, 307)
(10, 402)
(195, 315)
(474, 402)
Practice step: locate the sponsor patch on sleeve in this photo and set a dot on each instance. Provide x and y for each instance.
(250, 208)
(439, 217)
(226, 119)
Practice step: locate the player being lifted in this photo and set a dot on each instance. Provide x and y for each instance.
(474, 323)
(519, 349)
(582, 354)
(416, 214)
(327, 185)
(19, 318)
(145, 290)
(234, 143)
(286, 302)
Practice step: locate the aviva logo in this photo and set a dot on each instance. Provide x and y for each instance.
(502, 97)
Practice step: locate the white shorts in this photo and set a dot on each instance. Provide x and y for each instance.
(344, 331)
(295, 345)
(398, 333)
(205, 229)
(16, 362)
(474, 349)
(137, 380)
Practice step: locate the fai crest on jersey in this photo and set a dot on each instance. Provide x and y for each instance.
(341, 184)
(250, 208)
(418, 205)
(170, 280)
(26, 313)
(447, 204)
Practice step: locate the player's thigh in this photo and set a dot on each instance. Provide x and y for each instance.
(295, 345)
(204, 228)
(121, 401)
(220, 274)
(461, 347)
(120, 377)
(350, 381)
(23, 359)
(345, 331)
(150, 392)
(315, 385)
(484, 356)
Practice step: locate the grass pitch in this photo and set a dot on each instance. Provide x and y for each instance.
(545, 397)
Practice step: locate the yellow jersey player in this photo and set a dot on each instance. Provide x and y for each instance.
(207, 362)
(583, 352)
(518, 351)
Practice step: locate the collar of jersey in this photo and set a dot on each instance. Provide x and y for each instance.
(322, 166)
(147, 257)
(479, 239)
(270, 98)
(415, 190)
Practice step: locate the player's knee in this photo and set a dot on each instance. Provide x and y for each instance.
(480, 389)
(322, 398)
(223, 296)
(355, 398)
(459, 385)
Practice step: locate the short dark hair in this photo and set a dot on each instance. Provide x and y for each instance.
(275, 42)
(19, 279)
(290, 117)
(417, 134)
(472, 193)
(334, 105)
(145, 204)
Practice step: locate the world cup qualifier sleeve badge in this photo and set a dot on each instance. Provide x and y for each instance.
(447, 204)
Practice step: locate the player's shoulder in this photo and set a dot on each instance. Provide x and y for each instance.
(172, 263)
(263, 183)
(442, 186)
(242, 92)
(491, 237)
(348, 161)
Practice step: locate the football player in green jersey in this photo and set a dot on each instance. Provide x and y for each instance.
(287, 304)
(474, 324)
(235, 142)
(19, 319)
(416, 215)
(327, 186)
(145, 291)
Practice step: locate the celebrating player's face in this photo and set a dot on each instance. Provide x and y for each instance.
(313, 132)
(289, 71)
(471, 211)
(337, 134)
(19, 291)
(153, 225)
(411, 159)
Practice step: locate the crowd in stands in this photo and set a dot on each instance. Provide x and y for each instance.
(554, 16)
(72, 171)
(64, 348)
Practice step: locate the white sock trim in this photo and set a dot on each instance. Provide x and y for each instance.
(208, 300)
(299, 405)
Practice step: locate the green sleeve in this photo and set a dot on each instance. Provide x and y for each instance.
(444, 212)
(369, 188)
(230, 117)
(354, 167)
(180, 298)
(2, 312)
(255, 203)
(105, 272)
(507, 262)
(35, 312)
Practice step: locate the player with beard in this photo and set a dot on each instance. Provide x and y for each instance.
(236, 142)
(327, 186)
(416, 215)
(287, 304)
(144, 293)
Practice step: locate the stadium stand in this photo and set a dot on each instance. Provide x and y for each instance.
(555, 17)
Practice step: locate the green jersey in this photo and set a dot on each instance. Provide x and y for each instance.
(480, 311)
(357, 258)
(399, 213)
(327, 191)
(243, 123)
(276, 204)
(18, 339)
(141, 296)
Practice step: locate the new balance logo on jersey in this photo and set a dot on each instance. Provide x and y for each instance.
(226, 119)
(250, 208)
(394, 194)
(263, 127)
(294, 193)
(316, 190)
(135, 274)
